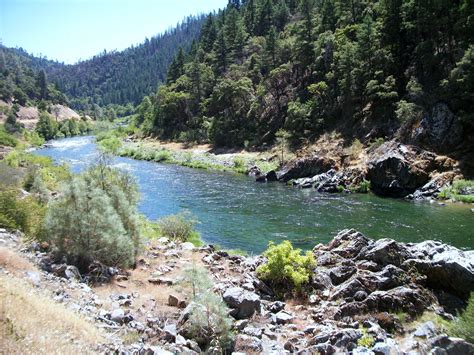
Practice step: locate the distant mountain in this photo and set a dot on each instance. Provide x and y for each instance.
(118, 77)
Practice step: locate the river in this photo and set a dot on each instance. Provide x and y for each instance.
(237, 213)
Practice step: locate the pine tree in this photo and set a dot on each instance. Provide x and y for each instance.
(265, 17)
(42, 85)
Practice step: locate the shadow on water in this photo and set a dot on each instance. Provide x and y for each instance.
(237, 213)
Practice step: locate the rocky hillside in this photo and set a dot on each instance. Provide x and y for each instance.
(28, 116)
(374, 297)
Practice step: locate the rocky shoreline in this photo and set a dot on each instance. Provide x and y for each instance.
(364, 297)
(393, 170)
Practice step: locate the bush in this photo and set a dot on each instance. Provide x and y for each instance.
(180, 227)
(286, 268)
(463, 326)
(209, 323)
(25, 214)
(7, 138)
(95, 219)
(461, 190)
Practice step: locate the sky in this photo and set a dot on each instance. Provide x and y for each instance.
(71, 30)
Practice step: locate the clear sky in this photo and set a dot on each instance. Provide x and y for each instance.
(69, 30)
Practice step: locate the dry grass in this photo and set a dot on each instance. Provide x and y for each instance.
(13, 262)
(31, 323)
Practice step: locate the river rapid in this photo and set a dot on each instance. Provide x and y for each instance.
(237, 213)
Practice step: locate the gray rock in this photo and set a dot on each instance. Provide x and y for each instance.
(117, 315)
(451, 346)
(396, 170)
(282, 317)
(388, 347)
(444, 265)
(425, 330)
(339, 274)
(72, 273)
(440, 129)
(305, 167)
(276, 306)
(253, 331)
(247, 344)
(384, 252)
(34, 277)
(245, 303)
(348, 243)
(173, 301)
(360, 350)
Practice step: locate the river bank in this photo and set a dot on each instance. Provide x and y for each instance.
(389, 169)
(364, 296)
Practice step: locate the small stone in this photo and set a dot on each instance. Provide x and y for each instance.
(117, 315)
(282, 317)
(173, 301)
(425, 330)
(161, 281)
(253, 331)
(276, 306)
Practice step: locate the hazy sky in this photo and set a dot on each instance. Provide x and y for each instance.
(69, 30)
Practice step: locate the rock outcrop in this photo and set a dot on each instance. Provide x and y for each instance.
(398, 170)
(305, 167)
(439, 129)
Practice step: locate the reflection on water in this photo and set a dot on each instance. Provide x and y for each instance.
(235, 212)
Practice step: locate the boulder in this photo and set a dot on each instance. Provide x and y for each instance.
(348, 243)
(444, 345)
(412, 300)
(305, 167)
(384, 252)
(398, 170)
(444, 266)
(244, 303)
(271, 176)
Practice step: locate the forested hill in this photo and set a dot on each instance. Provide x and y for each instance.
(117, 77)
(365, 67)
(123, 77)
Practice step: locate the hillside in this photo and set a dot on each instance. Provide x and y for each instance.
(369, 70)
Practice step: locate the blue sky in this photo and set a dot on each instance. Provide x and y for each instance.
(69, 30)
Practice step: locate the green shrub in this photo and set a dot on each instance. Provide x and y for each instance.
(180, 227)
(286, 268)
(95, 219)
(162, 155)
(209, 323)
(463, 326)
(461, 190)
(33, 138)
(110, 145)
(362, 188)
(366, 340)
(25, 214)
(240, 165)
(18, 158)
(7, 138)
